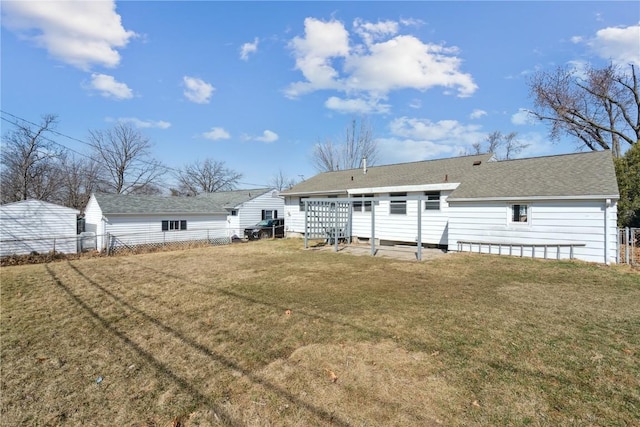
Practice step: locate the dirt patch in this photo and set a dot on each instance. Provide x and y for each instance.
(345, 384)
(398, 252)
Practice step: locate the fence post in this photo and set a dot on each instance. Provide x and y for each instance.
(54, 246)
(617, 246)
(108, 243)
(627, 243)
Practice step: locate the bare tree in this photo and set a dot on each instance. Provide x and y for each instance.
(504, 147)
(358, 143)
(79, 180)
(208, 176)
(125, 159)
(30, 162)
(600, 108)
(281, 182)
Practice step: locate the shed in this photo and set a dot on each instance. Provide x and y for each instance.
(35, 226)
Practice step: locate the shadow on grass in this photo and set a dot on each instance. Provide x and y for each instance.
(164, 369)
(366, 332)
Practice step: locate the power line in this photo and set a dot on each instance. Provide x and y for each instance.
(167, 168)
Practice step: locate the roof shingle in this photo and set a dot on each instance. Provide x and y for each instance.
(213, 203)
(567, 175)
(414, 173)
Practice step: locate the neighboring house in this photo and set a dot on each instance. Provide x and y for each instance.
(36, 226)
(555, 206)
(138, 220)
(247, 207)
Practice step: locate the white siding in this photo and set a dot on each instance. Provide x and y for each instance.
(93, 221)
(578, 222)
(33, 225)
(293, 217)
(393, 227)
(145, 229)
(250, 212)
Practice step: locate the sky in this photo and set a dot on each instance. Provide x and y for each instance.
(258, 84)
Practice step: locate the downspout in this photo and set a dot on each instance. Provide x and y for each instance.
(607, 204)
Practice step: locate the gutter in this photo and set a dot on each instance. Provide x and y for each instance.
(305, 193)
(525, 198)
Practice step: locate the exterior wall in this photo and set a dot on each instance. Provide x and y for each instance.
(578, 222)
(293, 217)
(393, 227)
(93, 221)
(250, 212)
(147, 229)
(33, 225)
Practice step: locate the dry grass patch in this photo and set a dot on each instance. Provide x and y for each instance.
(247, 334)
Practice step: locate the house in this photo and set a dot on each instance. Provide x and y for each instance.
(132, 220)
(561, 206)
(247, 207)
(35, 226)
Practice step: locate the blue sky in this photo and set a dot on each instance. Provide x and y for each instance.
(257, 84)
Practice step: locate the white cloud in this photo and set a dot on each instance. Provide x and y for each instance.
(216, 133)
(384, 62)
(248, 48)
(415, 139)
(322, 41)
(79, 33)
(267, 136)
(143, 124)
(369, 32)
(396, 150)
(477, 113)
(197, 90)
(109, 87)
(522, 117)
(621, 45)
(415, 103)
(355, 105)
(441, 131)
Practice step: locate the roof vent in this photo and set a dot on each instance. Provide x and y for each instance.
(477, 162)
(364, 165)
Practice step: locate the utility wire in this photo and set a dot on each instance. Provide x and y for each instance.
(167, 168)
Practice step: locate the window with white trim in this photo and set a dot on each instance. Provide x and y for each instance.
(361, 204)
(234, 212)
(398, 207)
(174, 225)
(520, 214)
(432, 201)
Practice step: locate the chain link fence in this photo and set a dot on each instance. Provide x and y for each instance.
(45, 249)
(164, 240)
(629, 246)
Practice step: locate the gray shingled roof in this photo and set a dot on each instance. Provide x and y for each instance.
(231, 199)
(580, 174)
(214, 203)
(415, 173)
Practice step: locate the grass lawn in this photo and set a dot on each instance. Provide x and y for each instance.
(267, 333)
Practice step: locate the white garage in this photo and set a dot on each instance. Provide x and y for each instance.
(36, 226)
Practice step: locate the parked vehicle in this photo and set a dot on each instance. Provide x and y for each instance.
(265, 229)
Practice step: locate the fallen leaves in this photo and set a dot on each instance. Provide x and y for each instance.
(332, 375)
